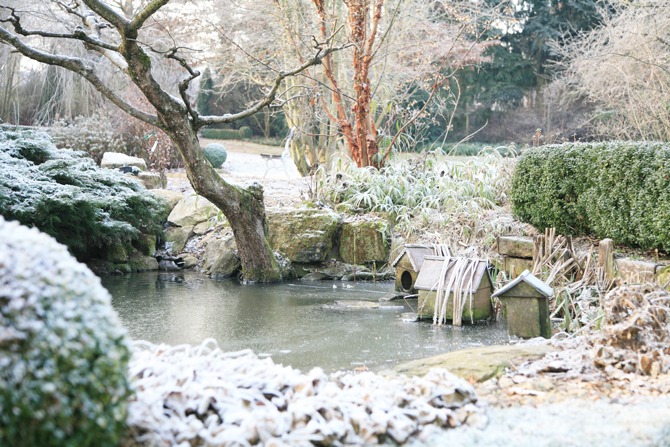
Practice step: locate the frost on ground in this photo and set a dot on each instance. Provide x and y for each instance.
(200, 395)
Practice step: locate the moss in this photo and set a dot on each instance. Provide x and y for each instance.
(63, 353)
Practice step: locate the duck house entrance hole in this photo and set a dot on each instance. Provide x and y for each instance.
(406, 281)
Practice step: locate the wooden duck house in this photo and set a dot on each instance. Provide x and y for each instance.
(525, 303)
(454, 288)
(408, 265)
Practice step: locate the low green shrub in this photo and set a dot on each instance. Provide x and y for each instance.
(66, 195)
(246, 132)
(619, 190)
(216, 154)
(221, 134)
(63, 353)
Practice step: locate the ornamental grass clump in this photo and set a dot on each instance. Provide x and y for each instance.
(66, 195)
(63, 353)
(423, 192)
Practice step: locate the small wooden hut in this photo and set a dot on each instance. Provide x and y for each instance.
(408, 265)
(454, 288)
(525, 303)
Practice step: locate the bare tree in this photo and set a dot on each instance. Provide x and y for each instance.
(114, 34)
(623, 69)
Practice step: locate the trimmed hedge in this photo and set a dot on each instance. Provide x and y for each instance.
(221, 134)
(216, 154)
(619, 190)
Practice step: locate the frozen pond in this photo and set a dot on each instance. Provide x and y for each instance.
(296, 323)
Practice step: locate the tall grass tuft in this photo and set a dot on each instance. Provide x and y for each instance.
(426, 193)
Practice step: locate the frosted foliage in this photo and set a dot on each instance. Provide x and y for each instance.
(195, 396)
(63, 352)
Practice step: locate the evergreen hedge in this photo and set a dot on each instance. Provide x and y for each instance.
(619, 190)
(221, 134)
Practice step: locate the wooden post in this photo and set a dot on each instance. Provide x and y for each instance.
(606, 261)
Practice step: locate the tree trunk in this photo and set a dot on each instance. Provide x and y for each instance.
(243, 207)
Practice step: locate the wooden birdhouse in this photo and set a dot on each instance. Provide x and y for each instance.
(525, 303)
(460, 289)
(408, 265)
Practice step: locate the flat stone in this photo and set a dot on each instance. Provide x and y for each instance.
(516, 247)
(113, 160)
(634, 271)
(477, 364)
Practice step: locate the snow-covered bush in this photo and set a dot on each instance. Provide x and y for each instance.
(216, 154)
(66, 195)
(63, 353)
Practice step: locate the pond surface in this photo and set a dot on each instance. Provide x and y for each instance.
(296, 323)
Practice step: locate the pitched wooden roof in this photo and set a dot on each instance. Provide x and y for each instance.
(529, 279)
(469, 271)
(415, 254)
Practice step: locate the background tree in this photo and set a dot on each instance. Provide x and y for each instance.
(105, 35)
(508, 90)
(400, 47)
(623, 69)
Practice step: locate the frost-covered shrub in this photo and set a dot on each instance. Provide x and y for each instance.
(216, 154)
(66, 195)
(95, 135)
(63, 353)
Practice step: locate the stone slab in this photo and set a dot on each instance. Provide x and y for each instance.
(477, 364)
(516, 247)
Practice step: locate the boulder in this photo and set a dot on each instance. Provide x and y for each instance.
(176, 238)
(151, 180)
(116, 253)
(220, 259)
(143, 263)
(145, 244)
(190, 261)
(191, 210)
(113, 160)
(364, 241)
(303, 235)
(171, 197)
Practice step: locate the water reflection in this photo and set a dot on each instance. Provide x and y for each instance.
(295, 323)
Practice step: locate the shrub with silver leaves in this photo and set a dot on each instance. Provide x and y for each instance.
(63, 353)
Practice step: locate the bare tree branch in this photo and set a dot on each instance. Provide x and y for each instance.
(78, 33)
(118, 21)
(146, 13)
(75, 65)
(269, 98)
